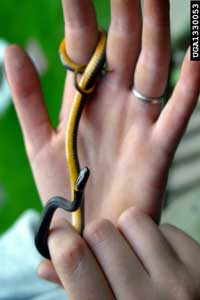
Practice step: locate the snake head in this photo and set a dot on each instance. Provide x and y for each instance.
(82, 179)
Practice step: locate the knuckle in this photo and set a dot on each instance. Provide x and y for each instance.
(71, 255)
(154, 61)
(97, 232)
(120, 27)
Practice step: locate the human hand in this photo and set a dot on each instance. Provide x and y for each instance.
(125, 143)
(140, 261)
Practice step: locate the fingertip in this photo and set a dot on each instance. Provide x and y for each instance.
(11, 48)
(188, 60)
(188, 57)
(20, 71)
(132, 214)
(14, 54)
(188, 83)
(98, 230)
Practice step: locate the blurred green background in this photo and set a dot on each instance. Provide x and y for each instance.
(42, 21)
(20, 22)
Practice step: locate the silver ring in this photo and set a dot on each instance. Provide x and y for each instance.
(153, 100)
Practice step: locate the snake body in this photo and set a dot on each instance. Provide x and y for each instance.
(78, 177)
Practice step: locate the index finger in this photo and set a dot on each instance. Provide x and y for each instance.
(75, 264)
(81, 38)
(81, 30)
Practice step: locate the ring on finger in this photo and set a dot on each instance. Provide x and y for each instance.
(146, 99)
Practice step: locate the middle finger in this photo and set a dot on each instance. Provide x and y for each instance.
(124, 271)
(124, 36)
(153, 63)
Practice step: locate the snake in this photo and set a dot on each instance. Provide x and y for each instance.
(78, 177)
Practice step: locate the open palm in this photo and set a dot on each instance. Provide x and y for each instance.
(127, 144)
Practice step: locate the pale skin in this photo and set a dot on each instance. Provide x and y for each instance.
(139, 260)
(127, 144)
